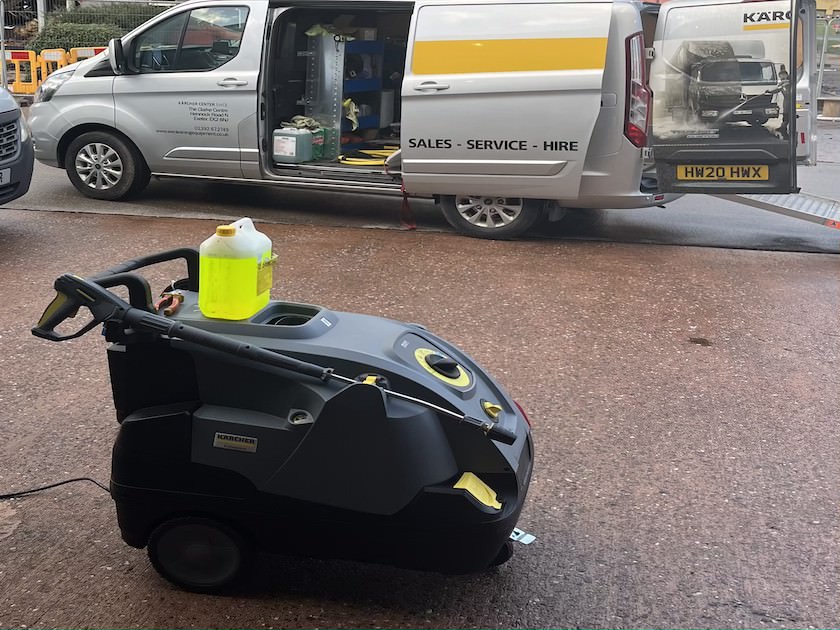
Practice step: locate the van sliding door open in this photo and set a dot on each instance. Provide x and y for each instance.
(724, 77)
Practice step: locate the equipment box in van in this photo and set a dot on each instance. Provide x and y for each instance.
(502, 110)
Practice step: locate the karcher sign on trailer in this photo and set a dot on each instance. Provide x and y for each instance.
(503, 111)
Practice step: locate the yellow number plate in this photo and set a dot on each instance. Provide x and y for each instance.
(723, 173)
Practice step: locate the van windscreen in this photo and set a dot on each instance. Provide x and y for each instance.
(757, 72)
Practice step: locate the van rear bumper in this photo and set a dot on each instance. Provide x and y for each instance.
(632, 200)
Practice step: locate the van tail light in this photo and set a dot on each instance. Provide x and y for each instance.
(637, 103)
(522, 411)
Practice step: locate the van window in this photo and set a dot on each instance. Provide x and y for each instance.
(201, 39)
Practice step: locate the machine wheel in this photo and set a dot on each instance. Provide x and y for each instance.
(102, 165)
(489, 216)
(197, 554)
(505, 554)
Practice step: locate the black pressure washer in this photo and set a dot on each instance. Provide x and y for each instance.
(301, 431)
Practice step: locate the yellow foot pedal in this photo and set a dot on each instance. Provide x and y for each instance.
(479, 490)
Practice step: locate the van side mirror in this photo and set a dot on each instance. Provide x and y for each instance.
(116, 56)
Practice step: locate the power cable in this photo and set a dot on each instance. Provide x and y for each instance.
(22, 493)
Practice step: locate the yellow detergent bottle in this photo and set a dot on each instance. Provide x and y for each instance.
(235, 271)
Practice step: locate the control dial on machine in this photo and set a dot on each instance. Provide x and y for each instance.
(443, 365)
(445, 368)
(414, 349)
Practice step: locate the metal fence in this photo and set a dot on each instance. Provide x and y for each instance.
(71, 23)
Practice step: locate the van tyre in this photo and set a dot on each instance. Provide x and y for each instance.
(489, 216)
(102, 165)
(197, 554)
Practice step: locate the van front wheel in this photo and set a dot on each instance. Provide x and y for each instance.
(102, 165)
(488, 216)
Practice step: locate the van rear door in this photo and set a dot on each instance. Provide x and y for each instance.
(724, 77)
(501, 97)
(807, 73)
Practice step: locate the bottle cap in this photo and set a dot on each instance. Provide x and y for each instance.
(226, 230)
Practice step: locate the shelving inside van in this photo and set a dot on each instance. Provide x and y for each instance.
(336, 74)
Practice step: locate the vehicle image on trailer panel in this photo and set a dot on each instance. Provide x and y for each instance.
(733, 90)
(709, 86)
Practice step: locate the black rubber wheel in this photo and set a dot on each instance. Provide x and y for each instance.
(505, 554)
(102, 165)
(491, 216)
(197, 554)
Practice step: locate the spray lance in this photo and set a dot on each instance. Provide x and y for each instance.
(74, 292)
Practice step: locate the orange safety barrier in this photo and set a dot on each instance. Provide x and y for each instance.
(77, 54)
(51, 60)
(22, 65)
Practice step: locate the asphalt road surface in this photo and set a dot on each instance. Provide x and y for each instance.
(684, 403)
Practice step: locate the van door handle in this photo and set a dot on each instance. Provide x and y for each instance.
(431, 86)
(232, 82)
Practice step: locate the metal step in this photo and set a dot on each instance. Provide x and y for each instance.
(799, 206)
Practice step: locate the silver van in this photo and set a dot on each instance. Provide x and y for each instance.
(504, 111)
(16, 155)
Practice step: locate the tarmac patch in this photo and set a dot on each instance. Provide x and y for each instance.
(8, 522)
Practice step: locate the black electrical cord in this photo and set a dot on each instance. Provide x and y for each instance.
(22, 493)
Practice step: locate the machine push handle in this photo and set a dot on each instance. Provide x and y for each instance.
(73, 292)
(189, 254)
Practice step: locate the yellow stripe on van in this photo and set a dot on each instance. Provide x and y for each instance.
(766, 27)
(509, 55)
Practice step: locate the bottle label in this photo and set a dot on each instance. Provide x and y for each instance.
(264, 274)
(285, 146)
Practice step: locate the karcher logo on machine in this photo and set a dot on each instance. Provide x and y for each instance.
(764, 20)
(235, 442)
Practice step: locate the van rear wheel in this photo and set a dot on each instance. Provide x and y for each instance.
(490, 216)
(102, 165)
